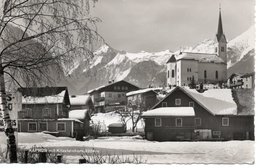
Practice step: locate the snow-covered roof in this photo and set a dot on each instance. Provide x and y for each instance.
(59, 98)
(170, 111)
(141, 91)
(79, 99)
(70, 119)
(116, 125)
(201, 57)
(78, 114)
(216, 101)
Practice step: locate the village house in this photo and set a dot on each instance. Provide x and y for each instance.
(81, 108)
(47, 109)
(186, 67)
(112, 96)
(143, 99)
(185, 114)
(245, 81)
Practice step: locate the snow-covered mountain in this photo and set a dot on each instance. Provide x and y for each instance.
(142, 69)
(241, 46)
(148, 68)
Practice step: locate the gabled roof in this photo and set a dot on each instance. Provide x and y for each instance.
(101, 88)
(141, 91)
(248, 75)
(172, 59)
(43, 95)
(79, 114)
(41, 91)
(170, 111)
(215, 101)
(79, 99)
(234, 74)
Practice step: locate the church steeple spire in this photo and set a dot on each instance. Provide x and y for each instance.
(220, 32)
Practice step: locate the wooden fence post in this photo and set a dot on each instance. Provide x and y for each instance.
(26, 156)
(42, 157)
(81, 161)
(59, 158)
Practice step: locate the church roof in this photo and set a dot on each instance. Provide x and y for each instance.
(201, 57)
(172, 59)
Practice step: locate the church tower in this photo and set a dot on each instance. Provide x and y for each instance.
(221, 48)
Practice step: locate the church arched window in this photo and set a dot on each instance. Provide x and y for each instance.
(216, 74)
(205, 74)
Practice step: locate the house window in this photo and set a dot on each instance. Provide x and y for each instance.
(164, 104)
(178, 122)
(222, 49)
(225, 121)
(177, 102)
(115, 88)
(198, 121)
(32, 126)
(216, 49)
(43, 126)
(119, 95)
(61, 127)
(205, 74)
(191, 104)
(216, 133)
(45, 112)
(158, 122)
(173, 73)
(216, 74)
(126, 88)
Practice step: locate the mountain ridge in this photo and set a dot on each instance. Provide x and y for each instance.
(148, 68)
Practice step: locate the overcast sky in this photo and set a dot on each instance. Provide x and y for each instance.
(155, 25)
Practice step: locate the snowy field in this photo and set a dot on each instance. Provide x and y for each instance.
(149, 151)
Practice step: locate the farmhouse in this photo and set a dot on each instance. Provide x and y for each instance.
(46, 109)
(185, 68)
(112, 96)
(216, 116)
(143, 99)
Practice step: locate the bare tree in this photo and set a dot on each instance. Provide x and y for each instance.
(135, 113)
(36, 37)
(132, 113)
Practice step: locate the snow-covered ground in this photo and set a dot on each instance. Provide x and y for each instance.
(149, 151)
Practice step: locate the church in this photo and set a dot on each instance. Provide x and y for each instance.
(187, 67)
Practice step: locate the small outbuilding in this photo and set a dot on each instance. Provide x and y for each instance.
(116, 128)
(84, 117)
